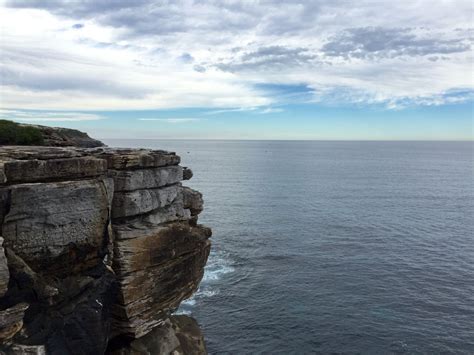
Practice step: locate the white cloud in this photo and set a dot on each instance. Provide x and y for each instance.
(31, 116)
(271, 110)
(93, 55)
(172, 120)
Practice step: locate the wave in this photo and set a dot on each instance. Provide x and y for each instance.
(218, 265)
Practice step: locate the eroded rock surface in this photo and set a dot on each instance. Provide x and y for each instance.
(98, 244)
(4, 273)
(177, 335)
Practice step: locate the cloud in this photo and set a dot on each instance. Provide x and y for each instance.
(186, 58)
(172, 120)
(378, 42)
(238, 109)
(37, 116)
(268, 58)
(271, 110)
(257, 110)
(151, 54)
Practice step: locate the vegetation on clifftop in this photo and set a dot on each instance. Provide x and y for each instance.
(12, 133)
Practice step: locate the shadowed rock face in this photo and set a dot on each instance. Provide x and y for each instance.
(97, 244)
(176, 335)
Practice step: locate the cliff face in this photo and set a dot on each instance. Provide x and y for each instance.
(99, 247)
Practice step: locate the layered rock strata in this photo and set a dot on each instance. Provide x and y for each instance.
(96, 244)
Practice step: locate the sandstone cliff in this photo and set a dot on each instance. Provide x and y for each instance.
(98, 247)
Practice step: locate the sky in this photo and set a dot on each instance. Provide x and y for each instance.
(269, 69)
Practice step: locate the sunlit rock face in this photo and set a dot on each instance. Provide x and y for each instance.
(97, 244)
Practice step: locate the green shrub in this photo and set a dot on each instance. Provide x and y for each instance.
(12, 133)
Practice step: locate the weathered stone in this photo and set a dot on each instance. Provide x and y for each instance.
(130, 180)
(58, 225)
(122, 159)
(161, 340)
(79, 321)
(16, 171)
(4, 203)
(66, 313)
(4, 273)
(156, 272)
(171, 213)
(192, 200)
(187, 173)
(178, 334)
(189, 334)
(137, 249)
(136, 202)
(41, 153)
(3, 178)
(68, 258)
(26, 284)
(20, 349)
(11, 321)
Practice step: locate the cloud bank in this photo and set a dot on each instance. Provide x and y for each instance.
(144, 54)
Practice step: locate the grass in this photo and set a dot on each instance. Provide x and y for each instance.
(11, 133)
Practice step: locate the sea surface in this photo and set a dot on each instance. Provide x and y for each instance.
(334, 247)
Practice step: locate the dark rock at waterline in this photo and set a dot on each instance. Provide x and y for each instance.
(179, 334)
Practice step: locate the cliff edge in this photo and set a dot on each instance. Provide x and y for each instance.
(12, 133)
(98, 247)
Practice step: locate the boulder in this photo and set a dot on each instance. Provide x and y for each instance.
(187, 173)
(192, 200)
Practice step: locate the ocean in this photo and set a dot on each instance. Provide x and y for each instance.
(334, 247)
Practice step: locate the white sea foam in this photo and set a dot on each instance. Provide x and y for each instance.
(181, 311)
(218, 265)
(189, 302)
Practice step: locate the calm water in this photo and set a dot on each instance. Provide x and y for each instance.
(334, 247)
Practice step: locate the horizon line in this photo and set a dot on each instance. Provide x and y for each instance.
(298, 140)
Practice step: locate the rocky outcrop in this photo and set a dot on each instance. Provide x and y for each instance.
(65, 137)
(100, 246)
(177, 335)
